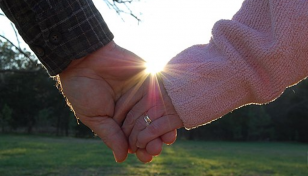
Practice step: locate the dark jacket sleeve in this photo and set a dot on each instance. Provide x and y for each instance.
(58, 31)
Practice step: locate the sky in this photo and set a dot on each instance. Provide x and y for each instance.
(167, 26)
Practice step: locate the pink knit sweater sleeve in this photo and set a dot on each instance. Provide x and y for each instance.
(250, 59)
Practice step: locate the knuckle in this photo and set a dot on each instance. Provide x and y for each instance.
(140, 124)
(130, 118)
(154, 129)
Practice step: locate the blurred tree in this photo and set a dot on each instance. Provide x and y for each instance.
(259, 124)
(290, 114)
(14, 59)
(27, 89)
(5, 116)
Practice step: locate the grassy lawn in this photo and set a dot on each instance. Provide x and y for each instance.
(37, 155)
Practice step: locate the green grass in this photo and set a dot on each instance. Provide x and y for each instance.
(38, 155)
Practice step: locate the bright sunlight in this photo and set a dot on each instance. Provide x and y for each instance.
(154, 67)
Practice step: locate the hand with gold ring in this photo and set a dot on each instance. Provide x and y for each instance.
(147, 109)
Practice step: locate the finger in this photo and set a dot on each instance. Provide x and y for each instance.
(169, 138)
(128, 101)
(154, 147)
(132, 125)
(137, 101)
(138, 111)
(140, 124)
(143, 156)
(158, 128)
(111, 134)
(151, 104)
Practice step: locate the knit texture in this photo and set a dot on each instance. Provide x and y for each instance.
(250, 59)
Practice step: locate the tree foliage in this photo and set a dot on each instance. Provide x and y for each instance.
(30, 93)
(5, 117)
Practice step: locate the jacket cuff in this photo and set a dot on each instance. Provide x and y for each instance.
(59, 31)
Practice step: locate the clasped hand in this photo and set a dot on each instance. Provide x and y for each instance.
(109, 92)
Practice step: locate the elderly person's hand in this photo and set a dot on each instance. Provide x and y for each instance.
(150, 118)
(94, 83)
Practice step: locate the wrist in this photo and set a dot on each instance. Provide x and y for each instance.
(78, 62)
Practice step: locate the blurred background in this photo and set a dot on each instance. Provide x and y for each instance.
(156, 30)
